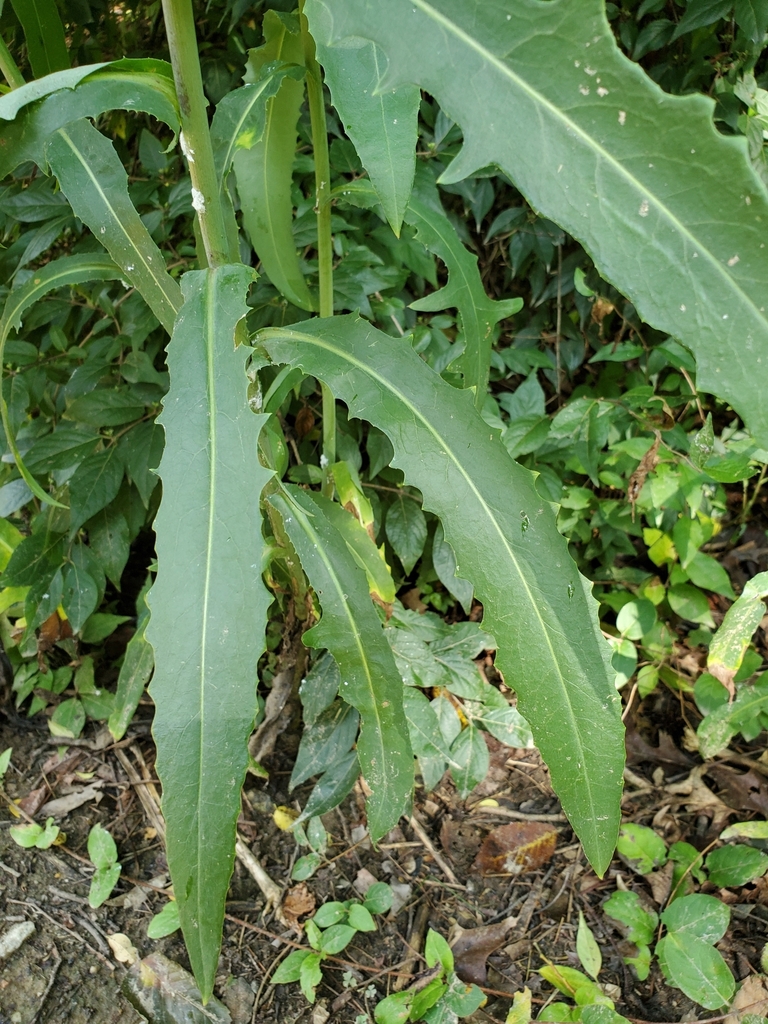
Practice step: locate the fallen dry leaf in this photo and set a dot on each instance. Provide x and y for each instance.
(64, 804)
(661, 883)
(49, 634)
(647, 465)
(305, 421)
(122, 948)
(473, 947)
(34, 800)
(320, 1015)
(638, 750)
(298, 901)
(699, 798)
(515, 848)
(461, 841)
(742, 792)
(364, 880)
(751, 998)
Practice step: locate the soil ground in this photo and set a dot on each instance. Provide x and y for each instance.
(66, 971)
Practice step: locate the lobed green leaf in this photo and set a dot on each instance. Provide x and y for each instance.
(351, 630)
(506, 541)
(264, 171)
(208, 603)
(95, 183)
(464, 290)
(671, 210)
(35, 111)
(382, 125)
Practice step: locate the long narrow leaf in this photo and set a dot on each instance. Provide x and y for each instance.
(506, 542)
(351, 630)
(135, 671)
(35, 111)
(95, 183)
(65, 271)
(264, 172)
(671, 210)
(44, 33)
(241, 116)
(239, 124)
(382, 125)
(465, 291)
(208, 603)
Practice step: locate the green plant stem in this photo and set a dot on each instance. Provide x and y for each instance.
(195, 137)
(748, 505)
(324, 239)
(11, 73)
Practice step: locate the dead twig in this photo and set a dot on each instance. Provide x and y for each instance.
(49, 986)
(415, 942)
(272, 891)
(506, 812)
(420, 831)
(144, 789)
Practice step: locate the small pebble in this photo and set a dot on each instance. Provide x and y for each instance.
(16, 936)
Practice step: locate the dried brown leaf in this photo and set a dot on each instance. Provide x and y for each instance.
(305, 421)
(34, 800)
(661, 883)
(751, 998)
(640, 751)
(741, 792)
(298, 902)
(646, 466)
(517, 847)
(699, 798)
(64, 804)
(473, 947)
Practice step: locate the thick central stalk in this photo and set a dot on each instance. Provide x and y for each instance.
(195, 137)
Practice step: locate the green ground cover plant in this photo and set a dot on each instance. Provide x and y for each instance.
(422, 474)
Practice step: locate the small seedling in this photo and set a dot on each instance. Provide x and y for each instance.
(693, 922)
(445, 997)
(331, 929)
(164, 923)
(316, 838)
(36, 836)
(593, 1005)
(103, 853)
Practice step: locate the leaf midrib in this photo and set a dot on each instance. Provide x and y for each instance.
(622, 171)
(312, 339)
(258, 90)
(209, 343)
(174, 305)
(303, 519)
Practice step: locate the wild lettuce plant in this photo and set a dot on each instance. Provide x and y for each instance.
(672, 213)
